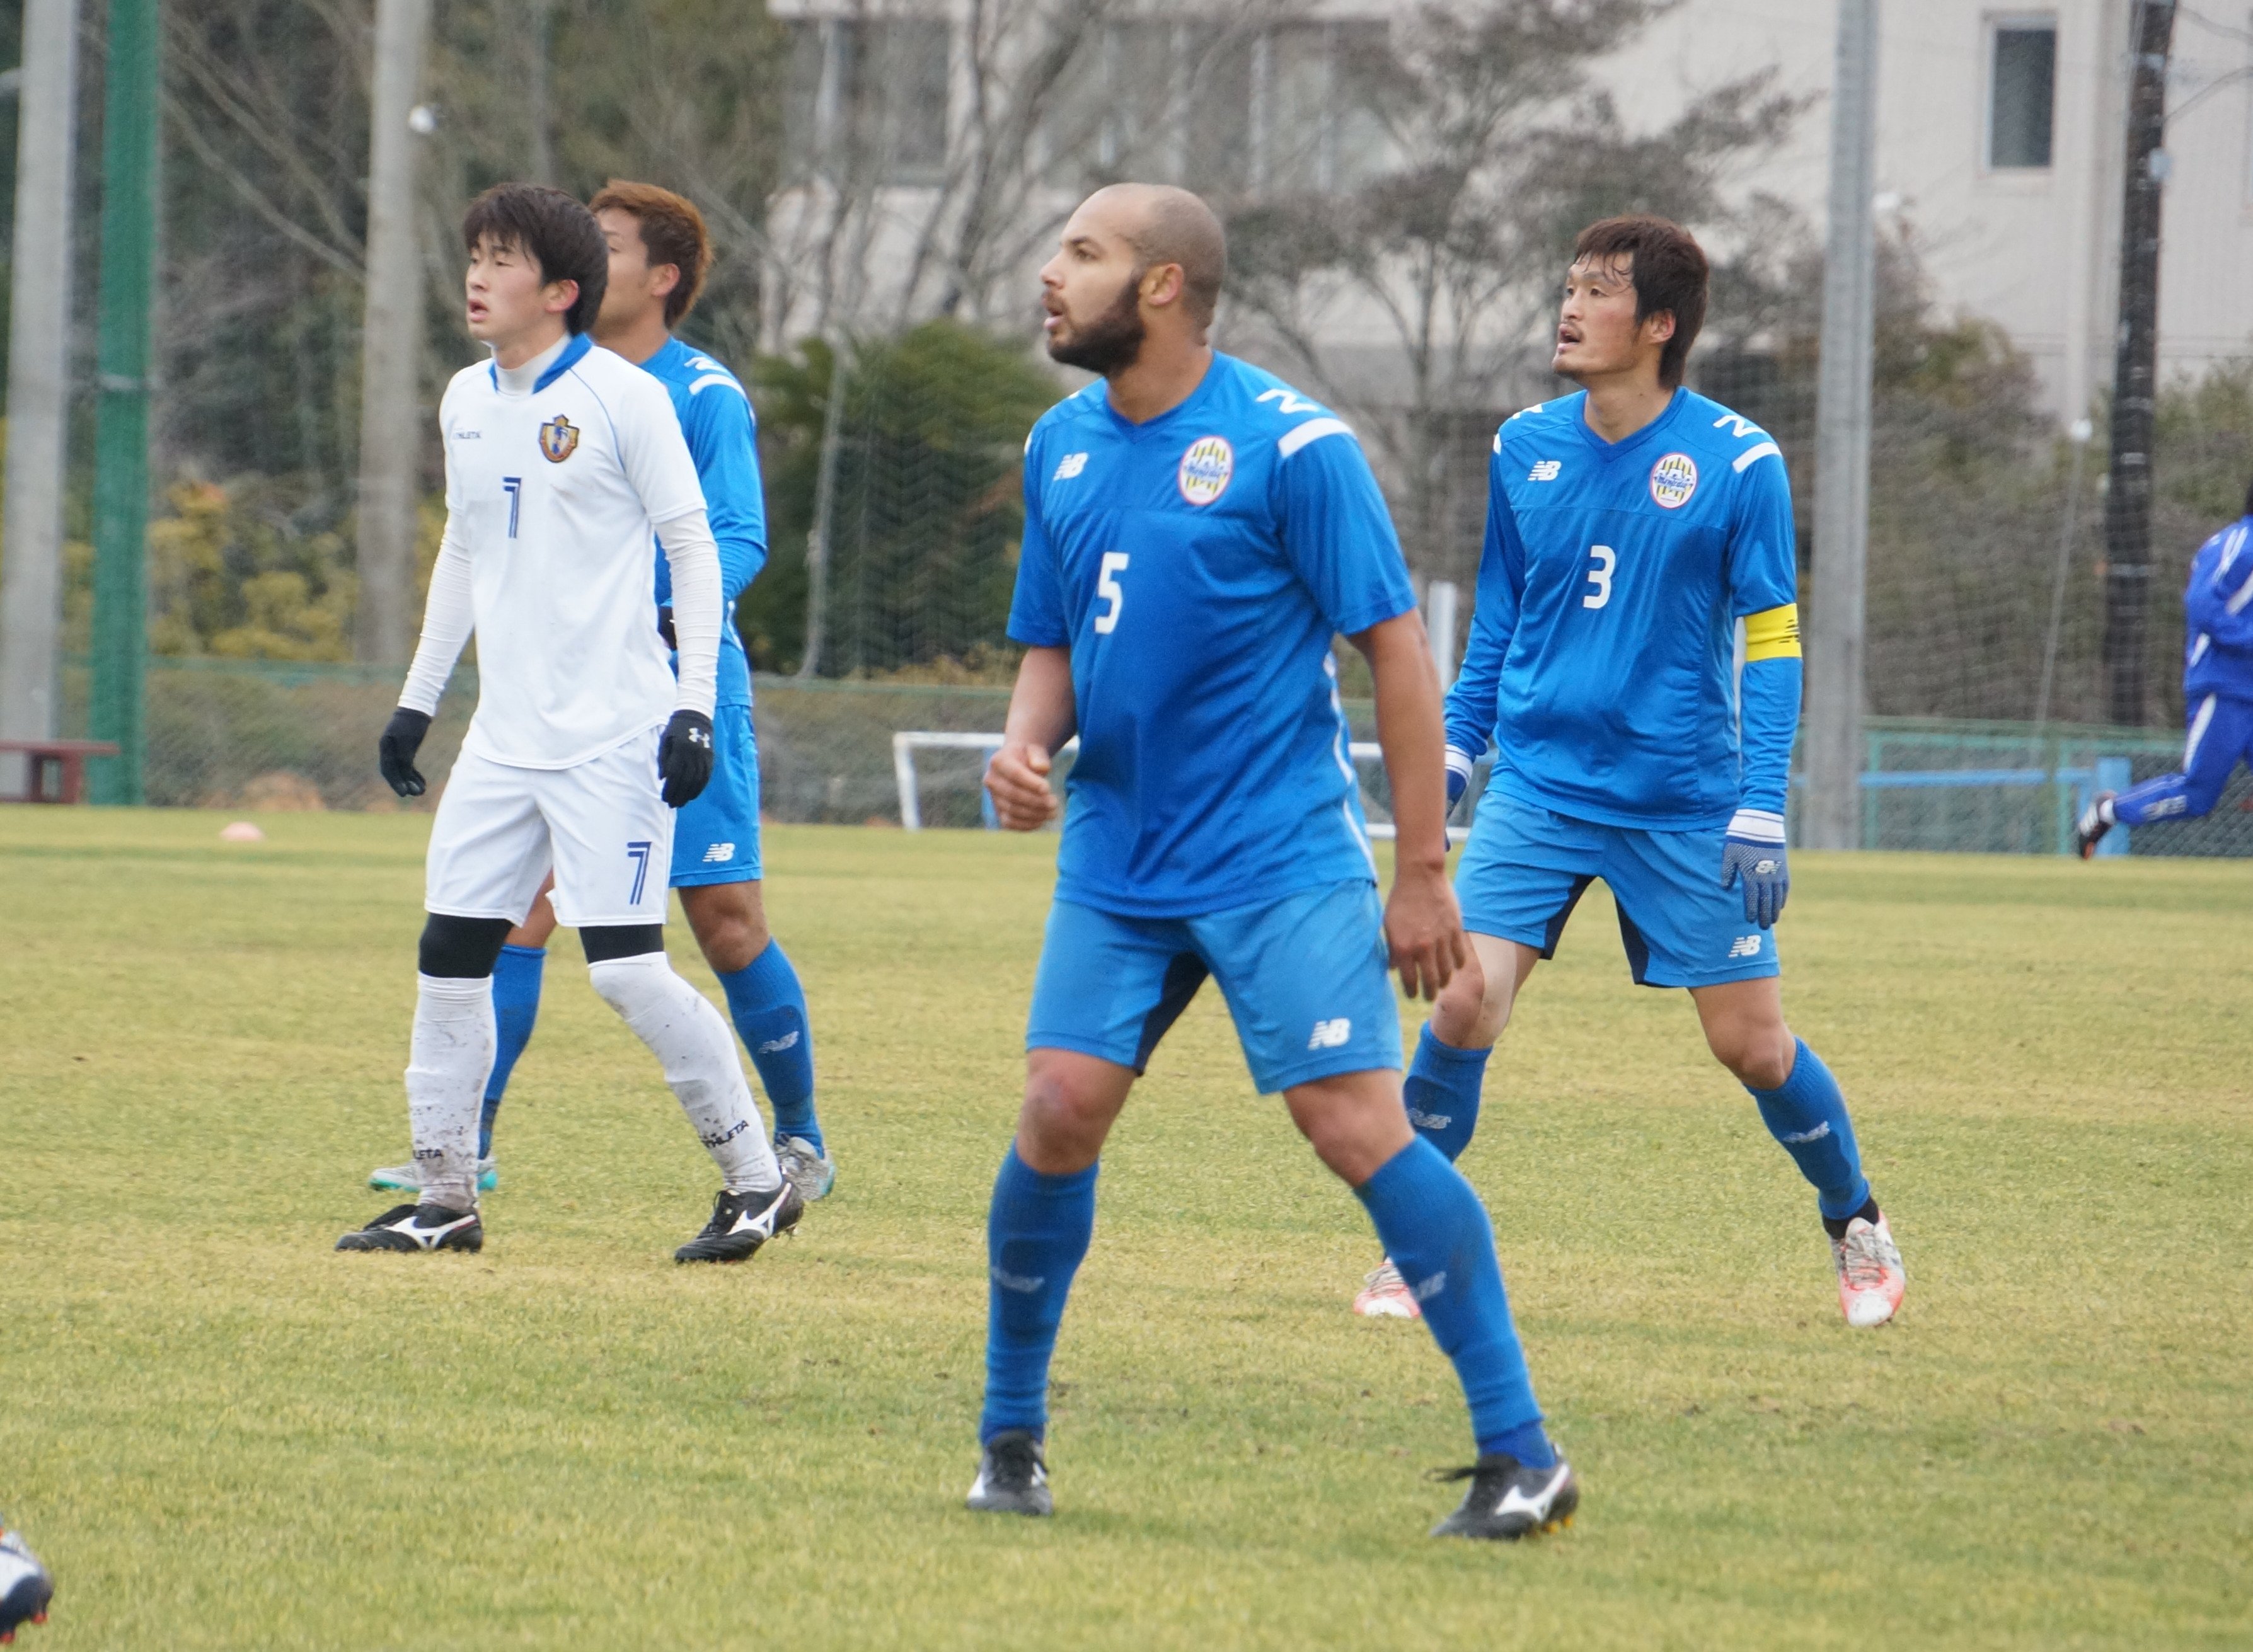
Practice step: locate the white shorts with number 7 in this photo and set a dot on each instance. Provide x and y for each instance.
(601, 824)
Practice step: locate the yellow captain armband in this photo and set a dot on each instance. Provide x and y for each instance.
(1772, 634)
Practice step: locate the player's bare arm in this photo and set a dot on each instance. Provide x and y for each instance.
(1423, 928)
(1040, 719)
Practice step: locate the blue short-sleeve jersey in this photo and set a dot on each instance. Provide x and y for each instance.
(723, 434)
(1197, 565)
(1601, 658)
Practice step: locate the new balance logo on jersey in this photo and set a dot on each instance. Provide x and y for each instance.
(1745, 946)
(1069, 466)
(719, 853)
(1331, 1034)
(1545, 469)
(1287, 404)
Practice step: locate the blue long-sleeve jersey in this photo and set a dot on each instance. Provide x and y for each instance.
(715, 416)
(2218, 615)
(1603, 652)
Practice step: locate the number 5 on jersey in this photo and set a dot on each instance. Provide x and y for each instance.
(1108, 588)
(1600, 576)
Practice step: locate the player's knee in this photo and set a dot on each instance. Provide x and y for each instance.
(2200, 794)
(1757, 1052)
(462, 949)
(729, 924)
(1473, 1007)
(1063, 1121)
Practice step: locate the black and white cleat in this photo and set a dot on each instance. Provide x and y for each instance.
(2095, 820)
(1013, 1477)
(419, 1227)
(25, 1585)
(741, 1222)
(1508, 1500)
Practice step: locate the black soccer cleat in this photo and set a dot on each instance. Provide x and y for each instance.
(741, 1222)
(2094, 822)
(419, 1227)
(1013, 1479)
(25, 1585)
(1508, 1500)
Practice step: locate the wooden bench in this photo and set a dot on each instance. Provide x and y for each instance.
(62, 760)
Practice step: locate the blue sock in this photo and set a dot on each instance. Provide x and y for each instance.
(1436, 1232)
(1035, 1235)
(1807, 1116)
(516, 1006)
(1442, 1092)
(768, 1007)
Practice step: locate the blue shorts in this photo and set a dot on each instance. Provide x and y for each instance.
(1525, 867)
(716, 839)
(1304, 977)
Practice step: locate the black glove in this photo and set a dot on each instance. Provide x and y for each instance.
(394, 753)
(684, 757)
(665, 628)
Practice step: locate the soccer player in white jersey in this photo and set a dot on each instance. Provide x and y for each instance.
(659, 254)
(561, 461)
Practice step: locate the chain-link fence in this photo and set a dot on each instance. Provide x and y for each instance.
(251, 735)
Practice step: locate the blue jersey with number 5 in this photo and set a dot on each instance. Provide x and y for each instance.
(1601, 658)
(1197, 567)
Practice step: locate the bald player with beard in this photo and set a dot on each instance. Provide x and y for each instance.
(1197, 532)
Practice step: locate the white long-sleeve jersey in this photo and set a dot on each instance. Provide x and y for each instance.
(557, 474)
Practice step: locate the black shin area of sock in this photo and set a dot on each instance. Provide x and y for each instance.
(1867, 1213)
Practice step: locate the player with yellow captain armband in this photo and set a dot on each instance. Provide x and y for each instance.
(1631, 528)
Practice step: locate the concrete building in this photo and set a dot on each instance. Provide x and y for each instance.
(1999, 150)
(1999, 143)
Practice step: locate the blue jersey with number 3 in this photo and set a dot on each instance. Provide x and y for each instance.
(1603, 652)
(1197, 565)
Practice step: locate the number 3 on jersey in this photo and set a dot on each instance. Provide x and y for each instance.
(1108, 588)
(1600, 576)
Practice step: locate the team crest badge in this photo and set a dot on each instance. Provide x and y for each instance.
(559, 439)
(1673, 479)
(1206, 469)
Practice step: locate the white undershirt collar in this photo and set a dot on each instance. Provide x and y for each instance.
(518, 381)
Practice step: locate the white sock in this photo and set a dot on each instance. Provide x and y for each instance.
(449, 1061)
(697, 1049)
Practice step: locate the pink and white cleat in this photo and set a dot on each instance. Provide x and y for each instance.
(1871, 1279)
(1386, 1295)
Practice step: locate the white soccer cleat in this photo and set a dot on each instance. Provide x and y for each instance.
(1386, 1295)
(1871, 1279)
(407, 1178)
(813, 1174)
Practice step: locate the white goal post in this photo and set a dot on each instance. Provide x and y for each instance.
(907, 741)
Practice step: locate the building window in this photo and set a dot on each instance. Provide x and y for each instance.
(868, 97)
(2022, 95)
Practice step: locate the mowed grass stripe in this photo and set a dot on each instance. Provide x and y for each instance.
(223, 1434)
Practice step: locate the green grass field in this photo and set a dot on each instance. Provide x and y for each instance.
(221, 1433)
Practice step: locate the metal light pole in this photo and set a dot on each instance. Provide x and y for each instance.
(1831, 818)
(120, 430)
(2135, 368)
(391, 343)
(38, 371)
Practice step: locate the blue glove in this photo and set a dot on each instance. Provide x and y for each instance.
(1459, 775)
(1753, 850)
